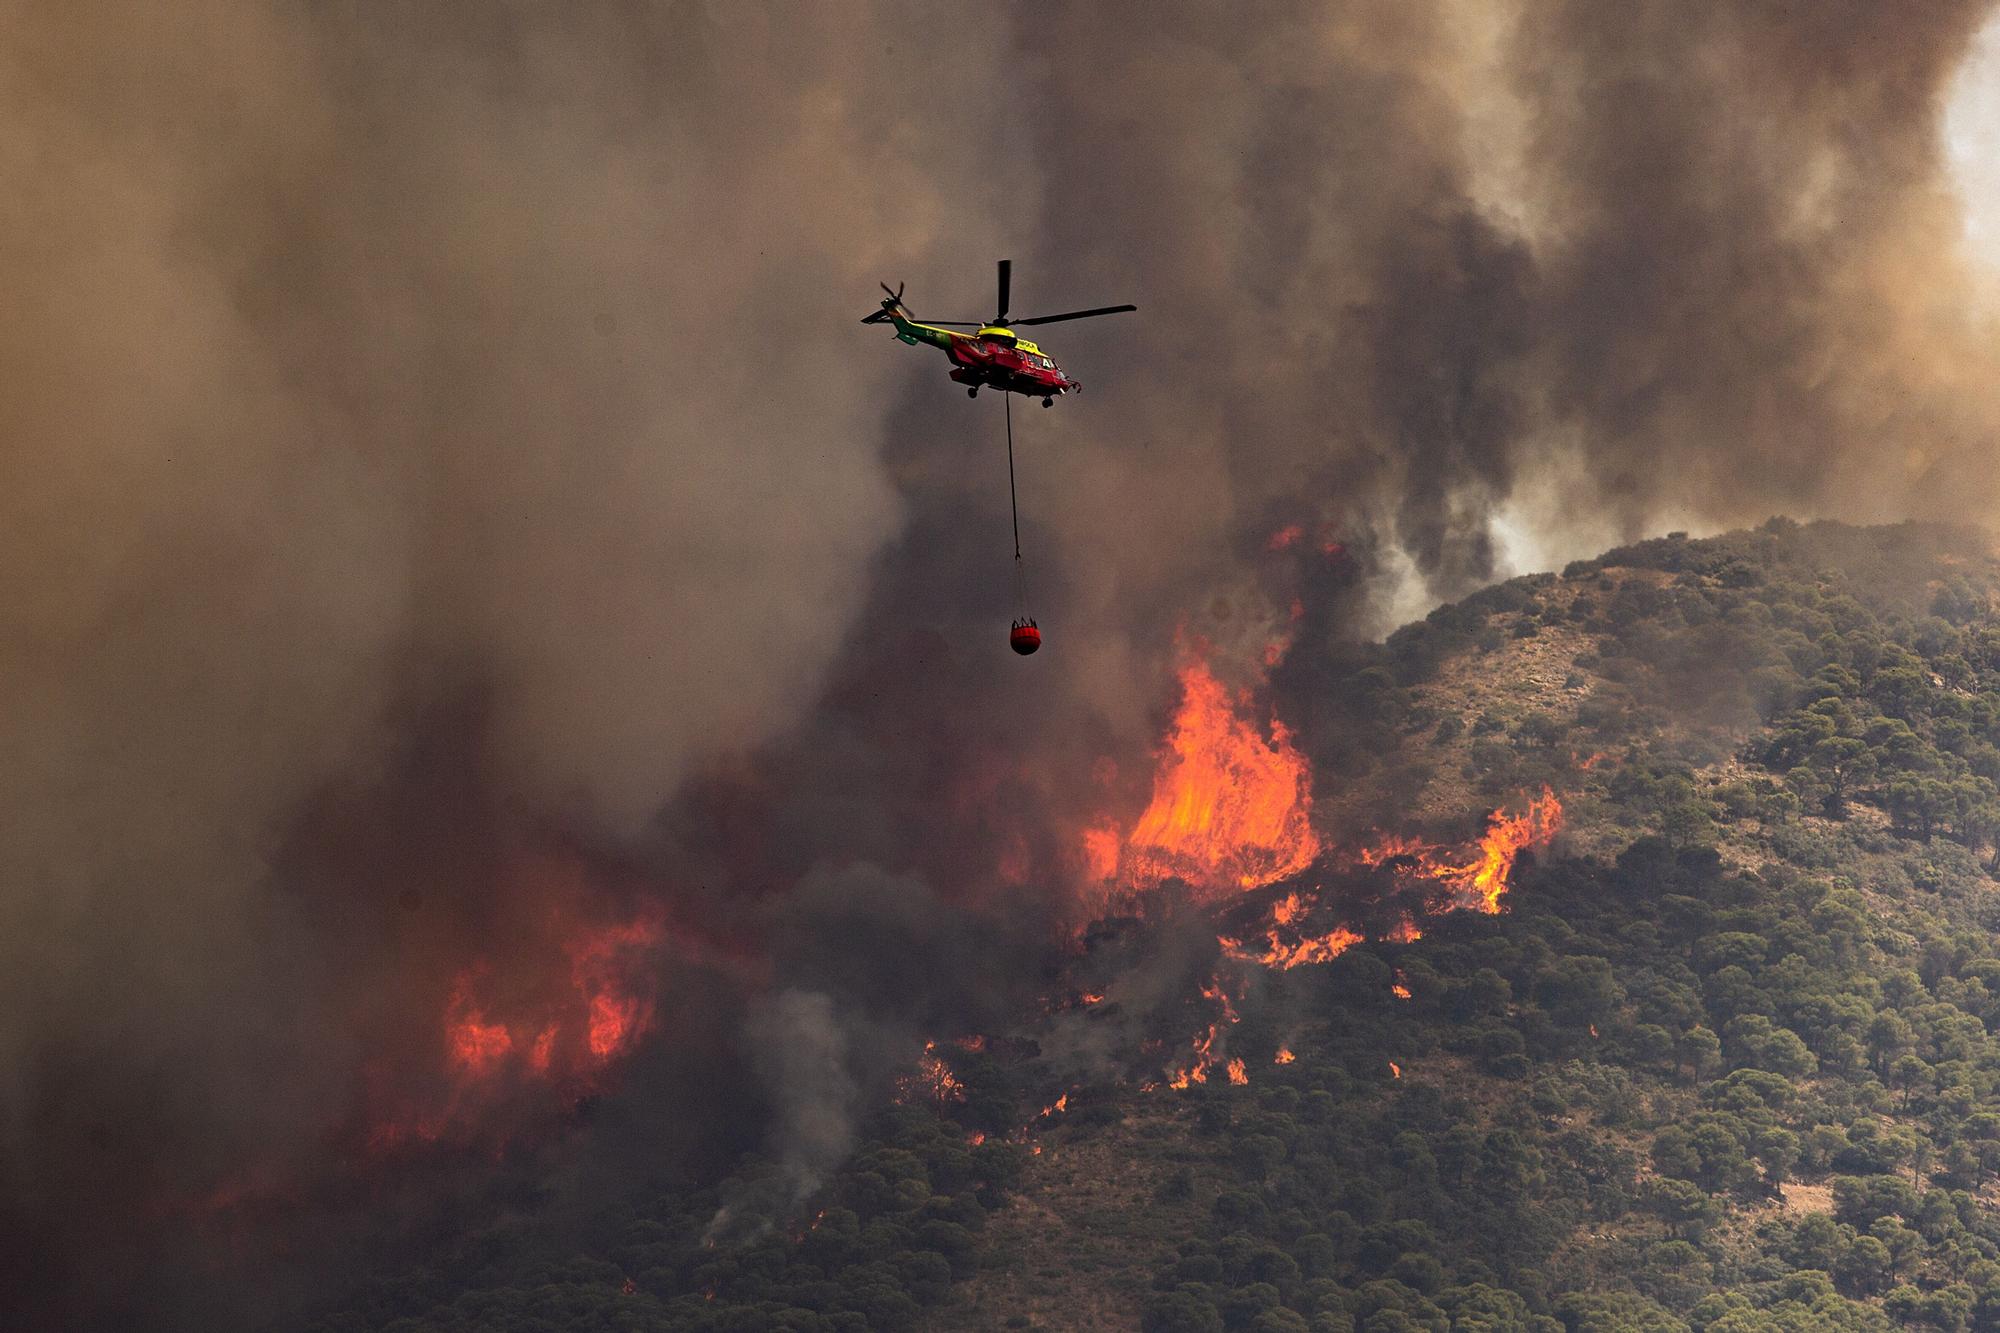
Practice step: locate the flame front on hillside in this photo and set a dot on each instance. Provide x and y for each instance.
(533, 1022)
(1231, 813)
(1230, 809)
(932, 1082)
(1477, 884)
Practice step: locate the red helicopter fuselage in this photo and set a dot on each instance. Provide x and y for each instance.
(1014, 367)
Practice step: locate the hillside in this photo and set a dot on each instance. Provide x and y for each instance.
(1724, 1060)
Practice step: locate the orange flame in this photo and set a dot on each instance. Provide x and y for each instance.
(1231, 812)
(1307, 949)
(599, 963)
(1285, 1055)
(472, 1044)
(1312, 949)
(1229, 809)
(613, 1021)
(1395, 1070)
(1481, 883)
(1205, 1056)
(1204, 1060)
(1506, 838)
(931, 1081)
(1213, 991)
(604, 1012)
(1100, 851)
(524, 1019)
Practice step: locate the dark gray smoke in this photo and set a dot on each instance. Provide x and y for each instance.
(1754, 297)
(436, 434)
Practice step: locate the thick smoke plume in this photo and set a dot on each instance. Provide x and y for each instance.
(448, 493)
(800, 1051)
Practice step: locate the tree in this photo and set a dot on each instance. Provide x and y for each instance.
(1908, 1073)
(1889, 1035)
(1179, 1312)
(1777, 1150)
(1685, 1208)
(1579, 990)
(1838, 765)
(1817, 1242)
(1918, 805)
(1700, 1051)
(1649, 1044)
(1687, 823)
(1616, 1312)
(1902, 1243)
(1865, 1266)
(1757, 1042)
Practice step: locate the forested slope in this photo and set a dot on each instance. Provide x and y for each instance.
(1725, 1060)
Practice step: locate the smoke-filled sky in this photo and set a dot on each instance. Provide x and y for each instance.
(432, 430)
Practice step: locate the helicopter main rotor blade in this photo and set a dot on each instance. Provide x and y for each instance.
(1074, 314)
(1006, 288)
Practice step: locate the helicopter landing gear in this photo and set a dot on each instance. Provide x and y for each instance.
(1048, 402)
(973, 392)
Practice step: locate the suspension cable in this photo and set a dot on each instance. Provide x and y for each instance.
(1014, 507)
(1013, 503)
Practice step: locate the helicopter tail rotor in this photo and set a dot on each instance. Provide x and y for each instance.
(891, 302)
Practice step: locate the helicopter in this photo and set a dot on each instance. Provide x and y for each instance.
(993, 357)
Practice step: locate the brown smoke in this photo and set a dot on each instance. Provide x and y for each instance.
(1755, 296)
(364, 358)
(1692, 261)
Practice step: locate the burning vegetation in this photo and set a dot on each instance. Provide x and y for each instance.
(1230, 815)
(1480, 881)
(541, 1024)
(1232, 802)
(932, 1083)
(1365, 989)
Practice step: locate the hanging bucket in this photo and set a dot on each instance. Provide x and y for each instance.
(1024, 638)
